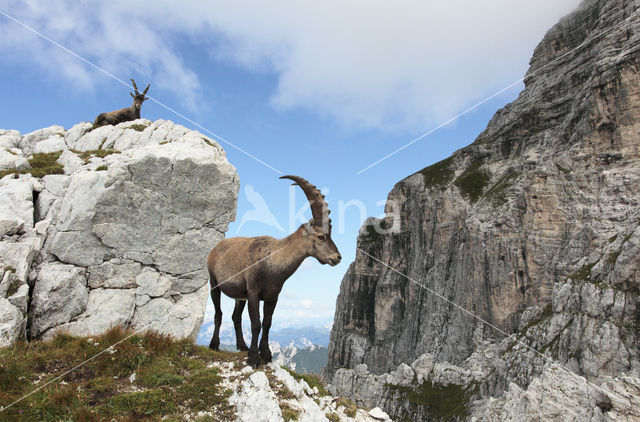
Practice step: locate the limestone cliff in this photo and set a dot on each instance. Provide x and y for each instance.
(533, 228)
(109, 226)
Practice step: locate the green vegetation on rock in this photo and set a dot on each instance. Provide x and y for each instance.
(333, 417)
(444, 402)
(497, 193)
(172, 378)
(101, 153)
(438, 174)
(371, 234)
(584, 273)
(137, 127)
(311, 379)
(473, 181)
(350, 408)
(13, 288)
(42, 164)
(288, 414)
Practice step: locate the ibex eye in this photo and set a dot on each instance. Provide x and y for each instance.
(322, 237)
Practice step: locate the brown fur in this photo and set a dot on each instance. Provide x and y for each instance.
(254, 269)
(125, 114)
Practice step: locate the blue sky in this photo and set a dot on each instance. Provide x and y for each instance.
(320, 90)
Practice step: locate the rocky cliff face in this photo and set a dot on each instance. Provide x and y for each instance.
(117, 235)
(533, 228)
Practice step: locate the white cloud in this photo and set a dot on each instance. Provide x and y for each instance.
(378, 63)
(112, 35)
(365, 63)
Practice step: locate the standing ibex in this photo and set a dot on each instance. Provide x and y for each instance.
(125, 114)
(255, 268)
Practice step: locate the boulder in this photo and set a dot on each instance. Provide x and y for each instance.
(105, 309)
(59, 294)
(122, 237)
(11, 323)
(16, 206)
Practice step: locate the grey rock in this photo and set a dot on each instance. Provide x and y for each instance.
(20, 299)
(29, 141)
(256, 401)
(70, 161)
(18, 256)
(60, 294)
(152, 283)
(93, 140)
(379, 414)
(9, 139)
(52, 144)
(533, 228)
(135, 236)
(115, 274)
(22, 163)
(423, 366)
(7, 159)
(11, 323)
(106, 308)
(16, 206)
(178, 319)
(403, 375)
(72, 136)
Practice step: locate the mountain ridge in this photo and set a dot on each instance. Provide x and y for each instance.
(533, 228)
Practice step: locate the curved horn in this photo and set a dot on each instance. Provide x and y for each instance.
(146, 89)
(319, 207)
(135, 87)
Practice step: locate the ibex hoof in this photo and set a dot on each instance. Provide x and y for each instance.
(265, 356)
(254, 360)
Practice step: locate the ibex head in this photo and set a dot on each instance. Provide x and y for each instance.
(318, 229)
(137, 97)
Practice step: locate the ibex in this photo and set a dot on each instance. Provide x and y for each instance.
(254, 269)
(125, 114)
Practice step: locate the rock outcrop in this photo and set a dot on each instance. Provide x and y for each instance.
(271, 393)
(534, 229)
(109, 226)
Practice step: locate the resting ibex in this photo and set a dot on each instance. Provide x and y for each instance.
(125, 114)
(252, 269)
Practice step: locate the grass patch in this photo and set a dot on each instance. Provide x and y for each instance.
(288, 414)
(444, 402)
(13, 288)
(173, 378)
(42, 164)
(562, 169)
(333, 417)
(101, 168)
(101, 153)
(137, 127)
(10, 152)
(9, 269)
(497, 193)
(371, 235)
(141, 404)
(473, 181)
(438, 174)
(545, 314)
(163, 142)
(350, 408)
(312, 380)
(583, 274)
